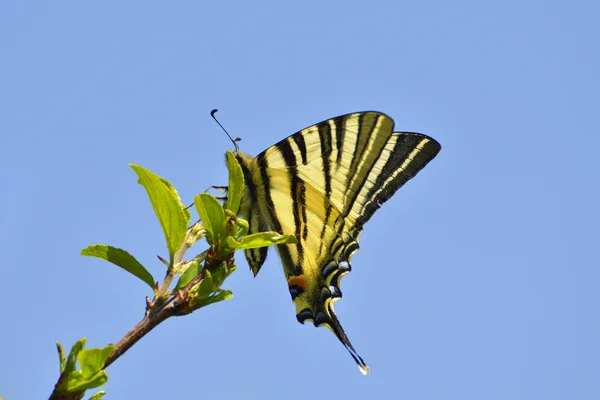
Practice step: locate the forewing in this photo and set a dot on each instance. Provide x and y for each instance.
(356, 161)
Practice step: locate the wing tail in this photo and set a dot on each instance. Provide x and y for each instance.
(334, 324)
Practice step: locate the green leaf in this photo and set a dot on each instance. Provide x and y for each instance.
(215, 298)
(120, 258)
(236, 183)
(212, 215)
(209, 291)
(262, 239)
(192, 269)
(98, 395)
(61, 356)
(220, 274)
(169, 210)
(243, 227)
(92, 360)
(236, 227)
(71, 363)
(78, 383)
(92, 363)
(206, 286)
(186, 211)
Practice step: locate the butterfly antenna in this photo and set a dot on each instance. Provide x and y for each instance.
(212, 114)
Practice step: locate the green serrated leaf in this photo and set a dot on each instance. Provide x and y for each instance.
(236, 183)
(186, 211)
(212, 216)
(262, 239)
(167, 205)
(92, 360)
(120, 258)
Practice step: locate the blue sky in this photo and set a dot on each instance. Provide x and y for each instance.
(478, 280)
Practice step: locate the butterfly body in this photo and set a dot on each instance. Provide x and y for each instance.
(322, 184)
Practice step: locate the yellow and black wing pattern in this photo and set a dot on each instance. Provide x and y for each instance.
(322, 185)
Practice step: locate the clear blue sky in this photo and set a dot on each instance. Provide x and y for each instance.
(478, 280)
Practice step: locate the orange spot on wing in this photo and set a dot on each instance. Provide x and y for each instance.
(297, 281)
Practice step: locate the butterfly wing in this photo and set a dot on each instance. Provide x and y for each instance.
(322, 185)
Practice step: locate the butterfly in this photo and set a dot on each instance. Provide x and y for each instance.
(322, 184)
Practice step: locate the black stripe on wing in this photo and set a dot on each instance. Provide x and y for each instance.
(411, 153)
(256, 257)
(283, 250)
